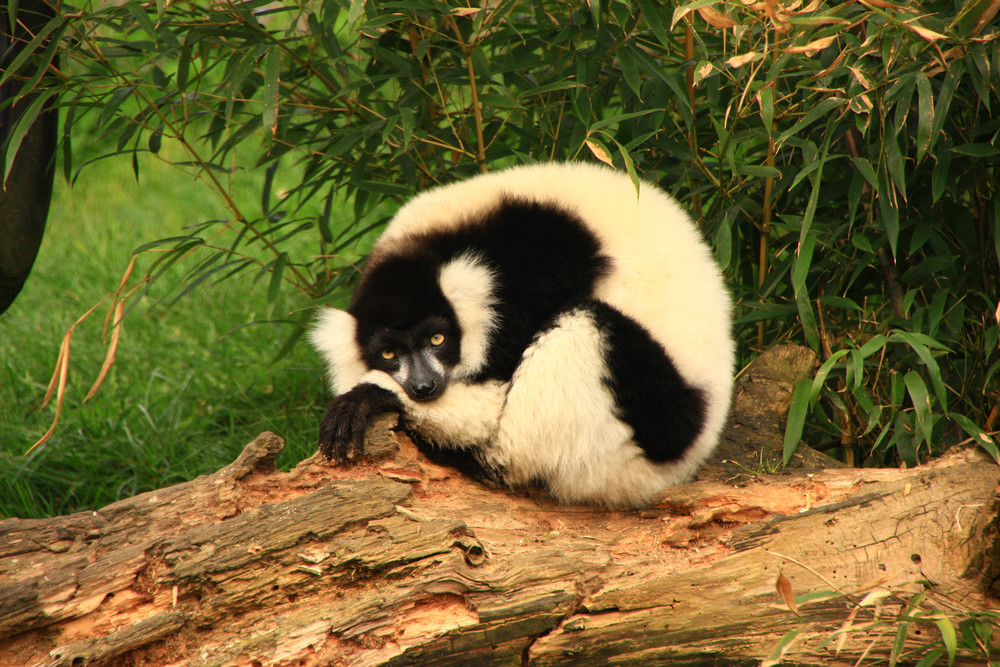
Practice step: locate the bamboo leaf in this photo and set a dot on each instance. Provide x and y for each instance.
(24, 123)
(979, 436)
(357, 6)
(820, 378)
(549, 88)
(629, 165)
(820, 110)
(944, 97)
(274, 288)
(889, 213)
(921, 403)
(619, 118)
(925, 115)
(797, 411)
(629, 70)
(948, 636)
(759, 171)
(683, 10)
(904, 442)
(765, 98)
(53, 29)
(865, 167)
(653, 13)
(271, 89)
(595, 12)
(895, 164)
(803, 261)
(918, 344)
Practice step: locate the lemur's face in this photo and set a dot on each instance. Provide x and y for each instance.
(420, 358)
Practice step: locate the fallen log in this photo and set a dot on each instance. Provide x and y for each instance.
(397, 561)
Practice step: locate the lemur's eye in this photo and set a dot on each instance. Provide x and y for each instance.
(437, 339)
(388, 355)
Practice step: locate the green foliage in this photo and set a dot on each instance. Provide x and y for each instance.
(841, 157)
(191, 385)
(921, 628)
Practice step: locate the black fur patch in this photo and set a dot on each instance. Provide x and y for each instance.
(342, 430)
(666, 412)
(543, 257)
(398, 292)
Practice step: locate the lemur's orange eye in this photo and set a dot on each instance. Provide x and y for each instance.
(388, 355)
(437, 339)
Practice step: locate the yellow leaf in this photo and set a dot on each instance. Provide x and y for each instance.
(929, 35)
(784, 587)
(860, 77)
(716, 18)
(814, 46)
(599, 153)
(739, 61)
(109, 358)
(702, 71)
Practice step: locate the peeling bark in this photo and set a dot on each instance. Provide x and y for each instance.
(397, 561)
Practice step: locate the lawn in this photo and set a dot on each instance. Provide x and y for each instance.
(190, 385)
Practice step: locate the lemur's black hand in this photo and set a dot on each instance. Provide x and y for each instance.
(342, 430)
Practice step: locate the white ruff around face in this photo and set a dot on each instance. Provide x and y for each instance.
(468, 284)
(335, 337)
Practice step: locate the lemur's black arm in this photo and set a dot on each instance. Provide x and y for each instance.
(342, 430)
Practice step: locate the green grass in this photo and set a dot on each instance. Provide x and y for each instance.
(189, 387)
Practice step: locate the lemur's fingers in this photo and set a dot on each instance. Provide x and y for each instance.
(342, 430)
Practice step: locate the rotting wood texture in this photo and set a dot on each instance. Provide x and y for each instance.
(396, 561)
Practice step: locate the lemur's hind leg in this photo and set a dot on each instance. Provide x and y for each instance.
(566, 418)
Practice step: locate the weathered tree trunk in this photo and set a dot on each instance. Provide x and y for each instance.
(396, 561)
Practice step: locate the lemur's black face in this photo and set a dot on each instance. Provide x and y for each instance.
(420, 358)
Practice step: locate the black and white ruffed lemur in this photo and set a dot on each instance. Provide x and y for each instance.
(546, 324)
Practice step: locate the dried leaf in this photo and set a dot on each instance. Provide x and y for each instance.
(861, 104)
(715, 18)
(986, 16)
(109, 358)
(929, 35)
(874, 597)
(466, 11)
(57, 385)
(703, 70)
(813, 46)
(844, 630)
(784, 588)
(58, 382)
(599, 153)
(680, 13)
(739, 61)
(861, 78)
